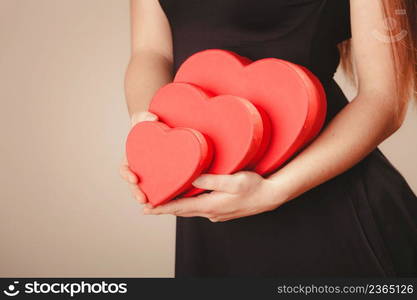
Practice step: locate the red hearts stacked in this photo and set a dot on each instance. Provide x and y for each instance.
(255, 115)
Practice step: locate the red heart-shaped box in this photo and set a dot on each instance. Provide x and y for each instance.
(233, 124)
(291, 96)
(166, 160)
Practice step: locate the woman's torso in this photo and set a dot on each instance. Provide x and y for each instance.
(305, 32)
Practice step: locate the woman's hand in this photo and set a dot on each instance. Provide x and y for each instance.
(233, 196)
(125, 171)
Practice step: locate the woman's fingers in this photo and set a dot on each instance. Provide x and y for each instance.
(132, 179)
(127, 174)
(143, 116)
(221, 183)
(125, 171)
(138, 194)
(184, 207)
(231, 184)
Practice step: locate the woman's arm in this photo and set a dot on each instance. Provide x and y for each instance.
(150, 67)
(375, 113)
(371, 117)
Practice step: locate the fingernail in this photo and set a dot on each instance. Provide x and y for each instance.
(140, 200)
(139, 197)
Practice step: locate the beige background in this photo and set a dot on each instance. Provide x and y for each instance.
(63, 209)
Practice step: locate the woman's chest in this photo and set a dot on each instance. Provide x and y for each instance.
(240, 14)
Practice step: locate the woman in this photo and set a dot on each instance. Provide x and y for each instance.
(339, 208)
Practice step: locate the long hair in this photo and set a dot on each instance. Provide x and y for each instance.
(401, 24)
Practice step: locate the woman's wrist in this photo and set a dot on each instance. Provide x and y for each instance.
(291, 181)
(278, 191)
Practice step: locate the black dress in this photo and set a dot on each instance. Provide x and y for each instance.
(361, 223)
